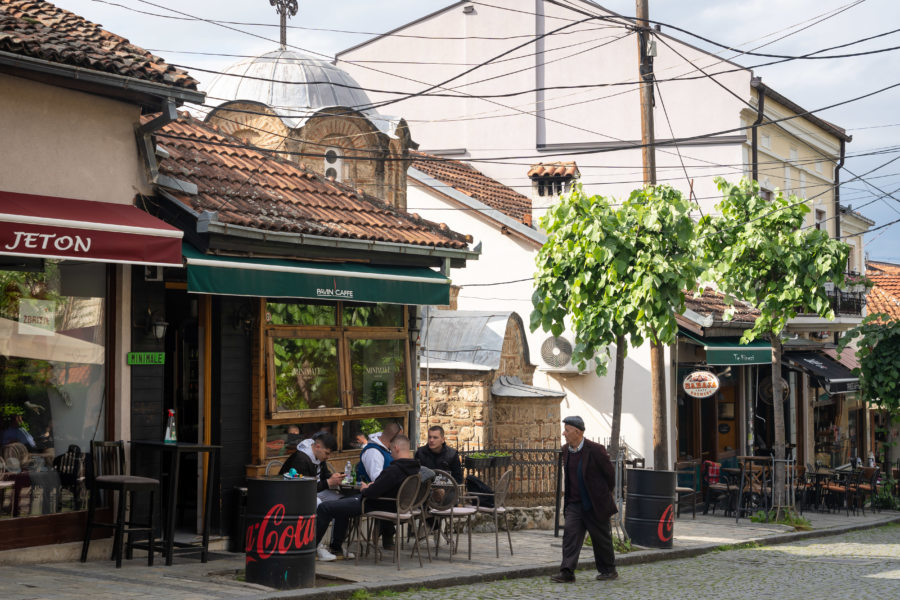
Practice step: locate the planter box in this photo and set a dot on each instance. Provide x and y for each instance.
(478, 463)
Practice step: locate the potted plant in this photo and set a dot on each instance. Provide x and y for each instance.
(478, 460)
(500, 459)
(854, 282)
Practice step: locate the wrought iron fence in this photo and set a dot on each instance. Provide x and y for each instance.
(535, 471)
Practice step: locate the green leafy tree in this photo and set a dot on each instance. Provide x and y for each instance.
(878, 353)
(759, 252)
(618, 272)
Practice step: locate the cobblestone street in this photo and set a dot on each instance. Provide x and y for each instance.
(862, 564)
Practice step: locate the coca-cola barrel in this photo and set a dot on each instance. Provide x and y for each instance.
(280, 541)
(649, 507)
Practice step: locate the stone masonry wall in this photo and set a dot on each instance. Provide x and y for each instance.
(457, 401)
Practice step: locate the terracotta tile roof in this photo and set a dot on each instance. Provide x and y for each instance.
(475, 184)
(848, 357)
(250, 188)
(554, 169)
(712, 303)
(43, 31)
(884, 297)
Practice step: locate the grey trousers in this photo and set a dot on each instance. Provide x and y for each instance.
(577, 522)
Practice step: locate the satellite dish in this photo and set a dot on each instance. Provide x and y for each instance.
(556, 351)
(766, 392)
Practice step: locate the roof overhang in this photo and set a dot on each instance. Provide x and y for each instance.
(830, 374)
(128, 89)
(729, 350)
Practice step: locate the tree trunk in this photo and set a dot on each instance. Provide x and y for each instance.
(658, 400)
(617, 398)
(778, 422)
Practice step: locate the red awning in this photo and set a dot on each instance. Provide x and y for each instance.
(49, 227)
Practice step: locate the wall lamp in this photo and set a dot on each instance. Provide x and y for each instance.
(153, 324)
(244, 318)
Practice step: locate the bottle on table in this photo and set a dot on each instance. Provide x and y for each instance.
(170, 436)
(348, 472)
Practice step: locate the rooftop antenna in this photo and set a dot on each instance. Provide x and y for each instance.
(285, 9)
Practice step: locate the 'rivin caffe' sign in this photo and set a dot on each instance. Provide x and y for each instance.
(700, 384)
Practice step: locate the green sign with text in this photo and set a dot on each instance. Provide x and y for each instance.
(146, 358)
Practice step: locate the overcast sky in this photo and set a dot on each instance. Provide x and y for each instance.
(874, 123)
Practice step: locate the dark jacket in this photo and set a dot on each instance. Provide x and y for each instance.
(445, 460)
(598, 478)
(388, 483)
(300, 461)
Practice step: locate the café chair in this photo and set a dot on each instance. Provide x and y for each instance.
(404, 504)
(719, 485)
(867, 487)
(108, 466)
(686, 488)
(5, 484)
(444, 505)
(494, 504)
(70, 466)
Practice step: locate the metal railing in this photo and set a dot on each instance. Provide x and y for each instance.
(535, 472)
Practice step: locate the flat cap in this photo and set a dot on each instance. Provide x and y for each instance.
(575, 421)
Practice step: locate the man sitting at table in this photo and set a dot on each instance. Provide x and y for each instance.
(386, 485)
(376, 455)
(311, 460)
(438, 455)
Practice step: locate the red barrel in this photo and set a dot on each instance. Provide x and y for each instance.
(649, 507)
(280, 541)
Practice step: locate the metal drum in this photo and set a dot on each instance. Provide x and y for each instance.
(649, 507)
(280, 541)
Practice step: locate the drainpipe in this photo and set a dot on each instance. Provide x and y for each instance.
(837, 192)
(760, 108)
(145, 141)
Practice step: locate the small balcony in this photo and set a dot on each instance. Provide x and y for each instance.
(847, 302)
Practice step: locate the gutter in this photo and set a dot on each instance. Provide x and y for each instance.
(208, 224)
(492, 213)
(760, 109)
(144, 135)
(111, 80)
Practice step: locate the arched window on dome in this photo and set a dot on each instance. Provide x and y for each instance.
(334, 163)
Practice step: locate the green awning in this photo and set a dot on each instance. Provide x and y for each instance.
(729, 350)
(275, 278)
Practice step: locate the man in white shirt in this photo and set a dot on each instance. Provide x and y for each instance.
(376, 455)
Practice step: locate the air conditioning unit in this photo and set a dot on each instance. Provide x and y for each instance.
(556, 356)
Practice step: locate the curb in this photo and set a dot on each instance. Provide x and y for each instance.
(341, 592)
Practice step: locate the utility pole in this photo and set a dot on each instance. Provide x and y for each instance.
(648, 155)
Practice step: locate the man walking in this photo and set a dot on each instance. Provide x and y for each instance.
(589, 481)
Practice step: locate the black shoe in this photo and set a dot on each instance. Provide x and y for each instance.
(607, 575)
(563, 577)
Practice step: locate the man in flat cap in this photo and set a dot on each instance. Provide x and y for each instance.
(589, 504)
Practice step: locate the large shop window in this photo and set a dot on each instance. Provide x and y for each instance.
(52, 380)
(339, 367)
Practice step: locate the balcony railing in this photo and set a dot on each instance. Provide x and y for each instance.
(847, 303)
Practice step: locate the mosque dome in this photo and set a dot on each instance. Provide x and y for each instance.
(295, 86)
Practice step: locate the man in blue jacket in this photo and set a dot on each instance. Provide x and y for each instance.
(589, 504)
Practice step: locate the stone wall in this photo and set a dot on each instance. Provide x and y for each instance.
(526, 422)
(458, 401)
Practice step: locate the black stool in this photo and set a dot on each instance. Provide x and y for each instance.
(108, 459)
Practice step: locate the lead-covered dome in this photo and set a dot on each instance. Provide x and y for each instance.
(295, 86)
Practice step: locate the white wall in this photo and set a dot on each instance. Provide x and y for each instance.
(583, 54)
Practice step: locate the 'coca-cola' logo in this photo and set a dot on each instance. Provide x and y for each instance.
(666, 524)
(277, 535)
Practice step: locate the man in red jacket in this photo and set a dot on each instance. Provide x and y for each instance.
(589, 504)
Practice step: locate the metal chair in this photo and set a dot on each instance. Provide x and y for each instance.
(108, 466)
(686, 473)
(404, 504)
(444, 504)
(498, 500)
(70, 466)
(5, 485)
(274, 464)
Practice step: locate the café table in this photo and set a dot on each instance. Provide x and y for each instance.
(174, 451)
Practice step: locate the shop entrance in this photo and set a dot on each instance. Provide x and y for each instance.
(707, 427)
(182, 394)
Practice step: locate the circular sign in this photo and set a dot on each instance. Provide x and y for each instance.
(724, 428)
(700, 384)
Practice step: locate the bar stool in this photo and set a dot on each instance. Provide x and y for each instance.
(108, 459)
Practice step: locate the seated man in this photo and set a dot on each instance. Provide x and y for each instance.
(311, 460)
(376, 455)
(385, 485)
(438, 455)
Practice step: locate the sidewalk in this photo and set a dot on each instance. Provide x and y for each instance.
(537, 552)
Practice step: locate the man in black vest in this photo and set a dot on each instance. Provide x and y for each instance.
(589, 504)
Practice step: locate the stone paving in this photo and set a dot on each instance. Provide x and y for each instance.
(32, 576)
(856, 565)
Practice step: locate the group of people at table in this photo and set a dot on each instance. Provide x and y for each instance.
(385, 462)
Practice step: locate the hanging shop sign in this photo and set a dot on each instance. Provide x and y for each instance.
(700, 384)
